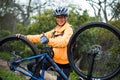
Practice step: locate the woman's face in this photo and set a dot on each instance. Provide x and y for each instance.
(61, 19)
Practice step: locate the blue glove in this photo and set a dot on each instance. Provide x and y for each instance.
(44, 39)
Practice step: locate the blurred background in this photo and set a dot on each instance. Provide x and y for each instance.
(36, 16)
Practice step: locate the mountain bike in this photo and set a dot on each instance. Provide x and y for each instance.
(93, 53)
(97, 53)
(19, 52)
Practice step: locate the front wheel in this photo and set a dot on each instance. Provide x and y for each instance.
(13, 48)
(106, 63)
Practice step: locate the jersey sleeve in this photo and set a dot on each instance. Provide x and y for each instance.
(36, 38)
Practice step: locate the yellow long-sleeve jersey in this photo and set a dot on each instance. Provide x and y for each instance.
(58, 40)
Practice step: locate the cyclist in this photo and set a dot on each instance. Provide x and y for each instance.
(58, 39)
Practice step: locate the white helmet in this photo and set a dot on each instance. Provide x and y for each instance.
(61, 11)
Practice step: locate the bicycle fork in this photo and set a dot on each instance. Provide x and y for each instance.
(95, 49)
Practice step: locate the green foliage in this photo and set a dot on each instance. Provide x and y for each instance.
(74, 76)
(115, 23)
(4, 33)
(46, 21)
(5, 56)
(77, 20)
(115, 52)
(20, 28)
(7, 75)
(42, 23)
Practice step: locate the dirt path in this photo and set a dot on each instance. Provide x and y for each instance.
(3, 64)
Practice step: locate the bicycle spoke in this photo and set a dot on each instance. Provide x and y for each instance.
(106, 61)
(13, 49)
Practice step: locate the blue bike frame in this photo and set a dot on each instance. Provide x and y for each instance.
(28, 73)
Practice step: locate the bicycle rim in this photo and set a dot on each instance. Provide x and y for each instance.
(107, 63)
(11, 46)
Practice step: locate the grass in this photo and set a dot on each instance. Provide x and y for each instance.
(5, 56)
(73, 76)
(8, 75)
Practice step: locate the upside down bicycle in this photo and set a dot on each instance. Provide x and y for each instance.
(94, 57)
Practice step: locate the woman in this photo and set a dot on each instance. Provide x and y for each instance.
(58, 39)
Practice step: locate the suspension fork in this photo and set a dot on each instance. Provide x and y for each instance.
(90, 69)
(95, 50)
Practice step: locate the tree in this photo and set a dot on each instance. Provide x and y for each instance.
(103, 9)
(115, 23)
(116, 9)
(42, 23)
(7, 16)
(13, 12)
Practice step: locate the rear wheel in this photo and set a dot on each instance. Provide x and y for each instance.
(13, 48)
(107, 62)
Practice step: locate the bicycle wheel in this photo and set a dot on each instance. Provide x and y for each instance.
(13, 48)
(107, 62)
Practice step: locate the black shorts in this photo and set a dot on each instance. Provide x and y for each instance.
(64, 67)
